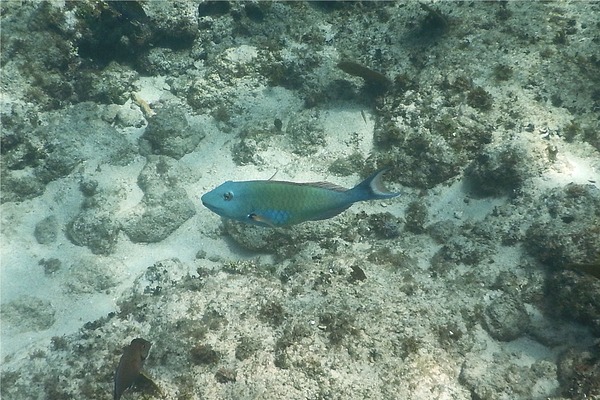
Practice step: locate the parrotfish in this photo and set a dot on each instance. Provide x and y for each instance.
(274, 203)
(130, 366)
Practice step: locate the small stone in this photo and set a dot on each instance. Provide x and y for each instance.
(96, 229)
(46, 231)
(204, 355)
(170, 134)
(88, 187)
(225, 375)
(50, 265)
(28, 313)
(506, 319)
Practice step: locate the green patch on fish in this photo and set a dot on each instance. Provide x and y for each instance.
(274, 203)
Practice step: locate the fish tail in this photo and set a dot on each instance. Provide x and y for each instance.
(372, 188)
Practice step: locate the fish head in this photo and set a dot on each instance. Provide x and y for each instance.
(141, 347)
(229, 200)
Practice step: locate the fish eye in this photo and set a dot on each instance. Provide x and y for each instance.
(227, 196)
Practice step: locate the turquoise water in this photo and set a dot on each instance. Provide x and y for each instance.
(479, 281)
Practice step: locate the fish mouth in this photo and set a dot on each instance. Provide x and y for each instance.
(211, 207)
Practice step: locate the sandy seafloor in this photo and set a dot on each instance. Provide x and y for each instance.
(479, 282)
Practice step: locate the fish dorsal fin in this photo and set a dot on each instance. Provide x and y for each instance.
(273, 176)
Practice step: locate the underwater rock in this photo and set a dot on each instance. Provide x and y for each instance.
(247, 151)
(255, 138)
(95, 228)
(416, 217)
(225, 375)
(305, 134)
(426, 139)
(500, 171)
(46, 230)
(346, 166)
(204, 354)
(28, 313)
(111, 85)
(384, 225)
(174, 25)
(162, 275)
(158, 174)
(213, 8)
(422, 160)
(480, 99)
(282, 242)
(579, 373)
(43, 53)
(18, 187)
(506, 319)
(442, 231)
(51, 265)
(246, 348)
(164, 207)
(170, 134)
(88, 187)
(463, 247)
(92, 274)
(504, 379)
(257, 238)
(163, 61)
(110, 31)
(573, 233)
(156, 217)
(49, 152)
(176, 29)
(575, 296)
(76, 134)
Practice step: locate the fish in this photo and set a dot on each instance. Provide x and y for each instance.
(130, 366)
(592, 269)
(272, 203)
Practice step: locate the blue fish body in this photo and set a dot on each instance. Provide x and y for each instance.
(279, 203)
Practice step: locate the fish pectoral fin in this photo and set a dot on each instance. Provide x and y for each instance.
(261, 219)
(145, 384)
